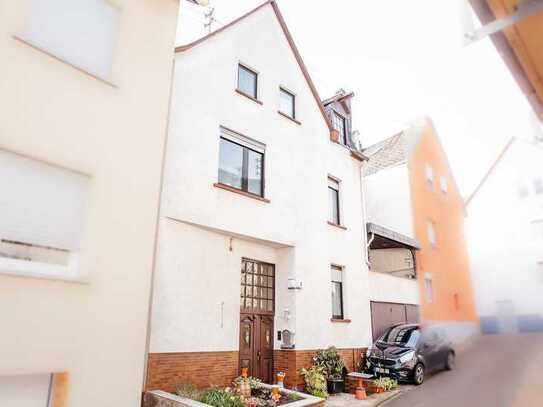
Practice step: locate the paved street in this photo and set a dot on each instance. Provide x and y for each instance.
(498, 371)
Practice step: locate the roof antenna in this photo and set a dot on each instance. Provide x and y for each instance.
(210, 19)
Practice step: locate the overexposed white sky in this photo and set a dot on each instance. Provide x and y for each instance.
(403, 59)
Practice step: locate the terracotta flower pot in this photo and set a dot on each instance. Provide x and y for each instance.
(244, 371)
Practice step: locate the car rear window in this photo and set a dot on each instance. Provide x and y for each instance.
(401, 335)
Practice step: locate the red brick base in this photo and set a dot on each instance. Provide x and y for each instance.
(203, 369)
(292, 361)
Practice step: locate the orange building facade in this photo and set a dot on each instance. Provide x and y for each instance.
(443, 270)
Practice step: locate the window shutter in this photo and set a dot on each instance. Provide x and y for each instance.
(41, 204)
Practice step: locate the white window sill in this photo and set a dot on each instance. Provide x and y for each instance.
(22, 268)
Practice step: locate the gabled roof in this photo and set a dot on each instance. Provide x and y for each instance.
(496, 162)
(289, 38)
(387, 153)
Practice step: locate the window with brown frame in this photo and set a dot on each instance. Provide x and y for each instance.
(337, 292)
(247, 81)
(287, 103)
(257, 287)
(339, 123)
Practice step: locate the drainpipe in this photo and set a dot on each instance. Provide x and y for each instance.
(364, 215)
(368, 248)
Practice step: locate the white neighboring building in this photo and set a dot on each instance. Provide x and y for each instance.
(505, 232)
(260, 229)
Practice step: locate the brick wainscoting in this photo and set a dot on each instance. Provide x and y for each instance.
(203, 369)
(292, 361)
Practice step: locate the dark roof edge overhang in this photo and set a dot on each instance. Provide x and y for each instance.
(402, 240)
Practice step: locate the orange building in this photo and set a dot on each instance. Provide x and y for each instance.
(411, 191)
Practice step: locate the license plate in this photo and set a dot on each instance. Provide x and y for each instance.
(381, 370)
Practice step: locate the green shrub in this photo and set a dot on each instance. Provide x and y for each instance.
(315, 381)
(220, 397)
(188, 391)
(331, 361)
(386, 383)
(254, 383)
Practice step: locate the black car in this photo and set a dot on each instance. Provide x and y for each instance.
(407, 352)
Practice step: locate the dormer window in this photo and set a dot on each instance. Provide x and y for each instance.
(339, 123)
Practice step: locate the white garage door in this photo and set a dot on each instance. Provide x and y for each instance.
(25, 391)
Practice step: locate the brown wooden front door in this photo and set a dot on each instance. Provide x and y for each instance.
(256, 345)
(256, 319)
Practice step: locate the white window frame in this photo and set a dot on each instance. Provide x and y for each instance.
(13, 265)
(428, 288)
(443, 184)
(332, 182)
(340, 269)
(431, 233)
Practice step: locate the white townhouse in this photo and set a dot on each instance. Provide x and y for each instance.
(84, 90)
(505, 235)
(261, 240)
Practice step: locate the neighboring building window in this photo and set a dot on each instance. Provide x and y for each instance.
(337, 292)
(523, 191)
(287, 103)
(333, 193)
(456, 299)
(428, 288)
(429, 174)
(339, 123)
(443, 184)
(241, 165)
(42, 213)
(537, 228)
(431, 233)
(82, 33)
(540, 271)
(538, 185)
(247, 81)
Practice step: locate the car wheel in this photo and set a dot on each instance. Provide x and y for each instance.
(418, 374)
(450, 362)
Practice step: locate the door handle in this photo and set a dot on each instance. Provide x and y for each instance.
(258, 355)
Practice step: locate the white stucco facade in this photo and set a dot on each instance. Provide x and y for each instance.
(205, 231)
(388, 199)
(505, 236)
(107, 129)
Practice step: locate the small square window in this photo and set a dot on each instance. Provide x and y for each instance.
(287, 103)
(247, 81)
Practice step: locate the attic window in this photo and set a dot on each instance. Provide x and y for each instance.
(339, 123)
(247, 81)
(287, 103)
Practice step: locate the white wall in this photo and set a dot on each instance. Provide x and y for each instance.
(25, 391)
(95, 328)
(388, 200)
(503, 248)
(298, 160)
(387, 288)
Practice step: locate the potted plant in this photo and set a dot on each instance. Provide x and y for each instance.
(333, 365)
(315, 381)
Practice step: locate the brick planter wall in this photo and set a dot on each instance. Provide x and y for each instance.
(202, 369)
